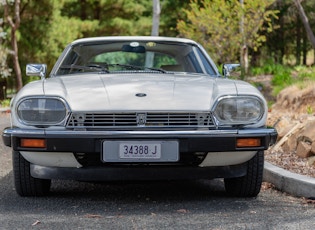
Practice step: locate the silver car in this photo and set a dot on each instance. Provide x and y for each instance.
(137, 108)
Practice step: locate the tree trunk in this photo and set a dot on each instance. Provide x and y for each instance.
(14, 24)
(305, 21)
(155, 30)
(16, 63)
(244, 48)
(156, 18)
(244, 59)
(304, 48)
(298, 42)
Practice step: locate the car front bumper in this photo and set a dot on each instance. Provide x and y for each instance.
(220, 147)
(91, 141)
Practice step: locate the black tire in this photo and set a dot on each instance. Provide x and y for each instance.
(250, 184)
(25, 184)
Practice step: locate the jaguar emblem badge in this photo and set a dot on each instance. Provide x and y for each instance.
(141, 95)
(141, 119)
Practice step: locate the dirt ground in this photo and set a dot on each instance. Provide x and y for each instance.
(296, 103)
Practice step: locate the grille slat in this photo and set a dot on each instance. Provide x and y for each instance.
(149, 120)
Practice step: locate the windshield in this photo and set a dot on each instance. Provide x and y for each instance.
(134, 56)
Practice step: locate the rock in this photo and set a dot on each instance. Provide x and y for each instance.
(311, 161)
(313, 148)
(283, 126)
(290, 144)
(309, 131)
(296, 100)
(303, 149)
(293, 133)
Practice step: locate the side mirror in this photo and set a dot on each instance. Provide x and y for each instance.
(36, 70)
(228, 68)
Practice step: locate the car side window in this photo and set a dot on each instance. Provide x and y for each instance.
(205, 63)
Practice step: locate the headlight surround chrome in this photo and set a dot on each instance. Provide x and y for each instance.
(42, 111)
(239, 110)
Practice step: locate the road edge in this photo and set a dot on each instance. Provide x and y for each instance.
(292, 183)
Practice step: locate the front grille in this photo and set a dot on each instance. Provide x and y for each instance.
(140, 120)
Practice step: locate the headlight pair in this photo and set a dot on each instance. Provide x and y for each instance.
(239, 110)
(42, 111)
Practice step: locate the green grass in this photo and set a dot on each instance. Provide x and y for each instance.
(284, 76)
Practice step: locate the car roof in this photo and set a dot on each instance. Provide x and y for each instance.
(130, 38)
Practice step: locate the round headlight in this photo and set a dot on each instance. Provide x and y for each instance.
(42, 111)
(239, 110)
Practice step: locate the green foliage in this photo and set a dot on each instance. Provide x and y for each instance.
(47, 26)
(217, 26)
(284, 76)
(309, 110)
(5, 103)
(45, 32)
(5, 71)
(172, 11)
(269, 68)
(304, 73)
(114, 17)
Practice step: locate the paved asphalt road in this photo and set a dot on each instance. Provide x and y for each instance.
(150, 205)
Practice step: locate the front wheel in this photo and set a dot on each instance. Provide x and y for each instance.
(25, 184)
(250, 184)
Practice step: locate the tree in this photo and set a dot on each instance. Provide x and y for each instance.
(5, 71)
(12, 17)
(46, 31)
(114, 17)
(172, 12)
(216, 24)
(305, 21)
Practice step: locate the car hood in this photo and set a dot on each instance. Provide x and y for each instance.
(156, 92)
(138, 93)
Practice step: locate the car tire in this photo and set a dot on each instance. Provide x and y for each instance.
(250, 184)
(25, 184)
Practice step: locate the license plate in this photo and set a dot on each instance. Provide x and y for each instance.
(130, 151)
(145, 150)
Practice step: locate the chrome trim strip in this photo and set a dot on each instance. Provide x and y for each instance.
(257, 132)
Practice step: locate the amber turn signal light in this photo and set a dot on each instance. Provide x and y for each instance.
(248, 142)
(33, 143)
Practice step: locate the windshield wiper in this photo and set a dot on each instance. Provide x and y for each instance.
(134, 67)
(82, 67)
(156, 69)
(104, 67)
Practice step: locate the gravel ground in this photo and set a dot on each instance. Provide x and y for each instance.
(291, 162)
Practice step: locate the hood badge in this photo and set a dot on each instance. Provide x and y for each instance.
(141, 95)
(141, 119)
